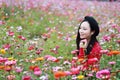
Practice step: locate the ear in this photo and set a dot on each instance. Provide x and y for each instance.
(92, 32)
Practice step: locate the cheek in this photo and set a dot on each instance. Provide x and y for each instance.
(88, 32)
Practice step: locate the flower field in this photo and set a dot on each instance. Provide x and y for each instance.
(38, 39)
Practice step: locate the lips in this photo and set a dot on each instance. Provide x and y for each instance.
(82, 35)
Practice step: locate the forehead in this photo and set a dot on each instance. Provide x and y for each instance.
(85, 24)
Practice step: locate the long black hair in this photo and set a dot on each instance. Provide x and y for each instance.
(94, 27)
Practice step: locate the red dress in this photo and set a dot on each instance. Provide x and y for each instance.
(91, 59)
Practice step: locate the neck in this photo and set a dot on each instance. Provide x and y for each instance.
(88, 40)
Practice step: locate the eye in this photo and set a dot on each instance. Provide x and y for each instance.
(84, 29)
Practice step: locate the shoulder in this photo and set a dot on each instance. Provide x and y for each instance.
(95, 52)
(97, 46)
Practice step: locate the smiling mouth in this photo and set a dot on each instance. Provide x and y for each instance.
(82, 35)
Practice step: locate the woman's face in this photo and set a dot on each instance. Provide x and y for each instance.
(85, 31)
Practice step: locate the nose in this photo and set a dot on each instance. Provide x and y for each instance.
(80, 31)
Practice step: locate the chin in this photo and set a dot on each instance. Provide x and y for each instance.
(82, 38)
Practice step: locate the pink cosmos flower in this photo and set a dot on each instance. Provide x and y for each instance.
(50, 58)
(90, 74)
(106, 38)
(39, 51)
(47, 56)
(103, 74)
(37, 71)
(10, 33)
(6, 46)
(11, 77)
(114, 25)
(104, 51)
(75, 70)
(74, 51)
(12, 62)
(118, 41)
(1, 22)
(112, 63)
(18, 69)
(68, 73)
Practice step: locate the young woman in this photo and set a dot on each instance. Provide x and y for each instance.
(87, 44)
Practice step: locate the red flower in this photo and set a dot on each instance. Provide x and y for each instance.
(10, 33)
(31, 47)
(118, 41)
(26, 78)
(33, 67)
(92, 61)
(21, 37)
(39, 51)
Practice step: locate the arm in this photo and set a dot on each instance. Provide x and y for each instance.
(83, 45)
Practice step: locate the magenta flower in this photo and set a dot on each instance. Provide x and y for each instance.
(103, 74)
(10, 33)
(39, 51)
(74, 51)
(118, 41)
(37, 71)
(2, 60)
(106, 38)
(21, 37)
(26, 78)
(1, 22)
